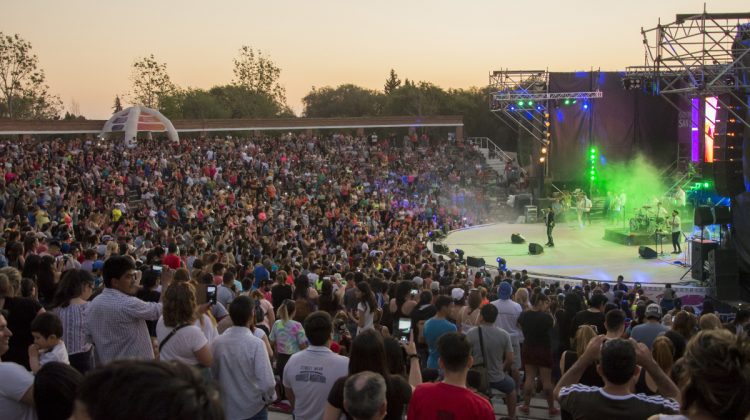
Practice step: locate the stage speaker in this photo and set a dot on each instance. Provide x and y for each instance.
(723, 274)
(475, 262)
(699, 251)
(723, 215)
(647, 253)
(516, 238)
(703, 216)
(535, 249)
(440, 248)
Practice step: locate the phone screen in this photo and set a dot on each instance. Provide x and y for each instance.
(211, 294)
(404, 328)
(157, 268)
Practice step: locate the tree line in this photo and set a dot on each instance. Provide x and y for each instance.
(254, 92)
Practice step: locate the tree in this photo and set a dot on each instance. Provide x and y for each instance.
(22, 83)
(117, 107)
(392, 83)
(151, 82)
(343, 101)
(258, 74)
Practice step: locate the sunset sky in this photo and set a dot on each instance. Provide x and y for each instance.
(87, 47)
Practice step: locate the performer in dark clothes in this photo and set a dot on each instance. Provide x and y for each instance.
(549, 220)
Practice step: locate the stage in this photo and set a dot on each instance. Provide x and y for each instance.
(578, 253)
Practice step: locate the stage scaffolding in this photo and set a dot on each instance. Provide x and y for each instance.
(697, 56)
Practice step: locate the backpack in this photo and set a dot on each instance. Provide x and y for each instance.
(259, 314)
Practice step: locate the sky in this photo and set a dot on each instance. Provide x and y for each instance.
(87, 48)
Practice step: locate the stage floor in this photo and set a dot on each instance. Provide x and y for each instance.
(579, 253)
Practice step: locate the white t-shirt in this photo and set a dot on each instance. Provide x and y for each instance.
(369, 317)
(56, 354)
(311, 373)
(16, 380)
(507, 317)
(208, 328)
(183, 344)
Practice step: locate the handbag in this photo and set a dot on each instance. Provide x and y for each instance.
(481, 368)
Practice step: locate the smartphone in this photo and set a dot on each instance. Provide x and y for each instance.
(211, 294)
(404, 328)
(157, 268)
(414, 292)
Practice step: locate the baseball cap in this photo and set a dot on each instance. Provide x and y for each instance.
(653, 311)
(505, 290)
(457, 293)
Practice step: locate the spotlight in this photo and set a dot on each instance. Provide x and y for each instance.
(542, 159)
(501, 263)
(585, 105)
(512, 108)
(538, 107)
(460, 253)
(566, 102)
(520, 103)
(544, 150)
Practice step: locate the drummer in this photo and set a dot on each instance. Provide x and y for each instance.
(661, 212)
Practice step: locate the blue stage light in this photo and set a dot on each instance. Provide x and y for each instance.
(585, 106)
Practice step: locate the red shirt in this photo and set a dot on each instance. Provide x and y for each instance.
(172, 261)
(443, 401)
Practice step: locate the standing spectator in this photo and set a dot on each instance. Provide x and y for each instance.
(24, 311)
(241, 366)
(226, 291)
(564, 319)
(499, 355)
(537, 326)
(280, 291)
(593, 316)
(48, 346)
(70, 303)
(590, 377)
(178, 336)
(172, 259)
(450, 398)
(116, 320)
(287, 336)
(620, 363)
(740, 324)
(684, 323)
(310, 374)
(366, 308)
(149, 293)
(419, 315)
(647, 332)
(131, 389)
(365, 396)
(368, 353)
(663, 351)
(260, 273)
(266, 309)
(468, 318)
(17, 385)
(436, 326)
(508, 312)
(620, 285)
(55, 388)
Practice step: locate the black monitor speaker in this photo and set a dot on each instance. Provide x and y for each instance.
(647, 253)
(535, 249)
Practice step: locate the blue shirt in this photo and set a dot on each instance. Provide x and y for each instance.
(260, 273)
(433, 329)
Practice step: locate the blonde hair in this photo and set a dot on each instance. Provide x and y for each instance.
(14, 280)
(522, 298)
(709, 322)
(179, 304)
(584, 334)
(663, 351)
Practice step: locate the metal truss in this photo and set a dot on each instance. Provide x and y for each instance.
(698, 55)
(521, 98)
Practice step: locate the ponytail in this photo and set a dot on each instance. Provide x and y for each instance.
(286, 311)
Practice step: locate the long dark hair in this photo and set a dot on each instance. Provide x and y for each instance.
(368, 353)
(403, 289)
(71, 286)
(301, 286)
(368, 298)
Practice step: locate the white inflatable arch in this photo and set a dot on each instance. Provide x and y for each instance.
(139, 118)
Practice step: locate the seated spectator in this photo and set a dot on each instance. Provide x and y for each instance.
(48, 346)
(179, 338)
(715, 379)
(131, 389)
(241, 365)
(497, 355)
(365, 396)
(450, 398)
(647, 332)
(584, 335)
(620, 363)
(663, 352)
(436, 326)
(55, 387)
(593, 316)
(310, 374)
(17, 384)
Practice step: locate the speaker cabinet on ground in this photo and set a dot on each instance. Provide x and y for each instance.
(439, 248)
(535, 249)
(516, 238)
(699, 251)
(647, 253)
(723, 274)
(475, 262)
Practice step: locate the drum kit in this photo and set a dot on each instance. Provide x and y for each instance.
(647, 221)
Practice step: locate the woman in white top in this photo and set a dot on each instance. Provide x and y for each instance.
(366, 308)
(178, 336)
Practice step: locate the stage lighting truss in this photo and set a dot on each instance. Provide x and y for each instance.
(521, 98)
(699, 55)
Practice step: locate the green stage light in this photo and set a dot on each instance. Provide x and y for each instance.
(593, 177)
(706, 185)
(592, 172)
(530, 103)
(567, 102)
(520, 103)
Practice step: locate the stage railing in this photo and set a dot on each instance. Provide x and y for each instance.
(487, 143)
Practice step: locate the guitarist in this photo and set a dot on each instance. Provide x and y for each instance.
(549, 221)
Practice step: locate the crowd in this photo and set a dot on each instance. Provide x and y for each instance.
(220, 278)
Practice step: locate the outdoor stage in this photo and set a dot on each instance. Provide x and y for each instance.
(578, 253)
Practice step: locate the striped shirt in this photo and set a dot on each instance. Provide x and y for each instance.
(74, 328)
(592, 402)
(116, 325)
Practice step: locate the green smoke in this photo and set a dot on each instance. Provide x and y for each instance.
(641, 181)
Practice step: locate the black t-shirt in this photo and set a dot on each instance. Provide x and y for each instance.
(21, 311)
(536, 326)
(398, 395)
(279, 293)
(149, 296)
(585, 402)
(587, 317)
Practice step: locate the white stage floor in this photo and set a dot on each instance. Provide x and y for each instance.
(579, 253)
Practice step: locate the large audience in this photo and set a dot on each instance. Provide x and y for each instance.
(225, 277)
